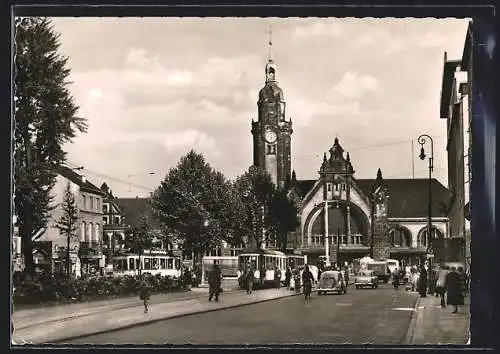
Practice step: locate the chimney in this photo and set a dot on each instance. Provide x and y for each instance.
(84, 179)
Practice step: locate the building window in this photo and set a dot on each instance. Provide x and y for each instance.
(271, 149)
(97, 230)
(91, 232)
(117, 220)
(343, 186)
(329, 187)
(105, 220)
(105, 208)
(336, 187)
(84, 202)
(83, 232)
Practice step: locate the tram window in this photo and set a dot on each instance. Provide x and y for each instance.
(137, 263)
(170, 263)
(156, 263)
(131, 264)
(162, 263)
(147, 263)
(177, 263)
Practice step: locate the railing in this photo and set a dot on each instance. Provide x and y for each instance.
(319, 240)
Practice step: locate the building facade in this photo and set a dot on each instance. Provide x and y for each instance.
(349, 218)
(455, 108)
(85, 249)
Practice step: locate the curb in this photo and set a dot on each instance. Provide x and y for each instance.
(109, 309)
(62, 341)
(413, 322)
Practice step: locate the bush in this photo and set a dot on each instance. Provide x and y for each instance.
(43, 289)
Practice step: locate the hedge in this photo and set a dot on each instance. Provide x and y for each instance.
(46, 289)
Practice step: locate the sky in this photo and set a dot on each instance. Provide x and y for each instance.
(154, 88)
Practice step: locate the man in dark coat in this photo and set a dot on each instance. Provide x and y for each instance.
(422, 281)
(454, 288)
(214, 282)
(249, 278)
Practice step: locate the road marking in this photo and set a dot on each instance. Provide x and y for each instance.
(403, 309)
(343, 304)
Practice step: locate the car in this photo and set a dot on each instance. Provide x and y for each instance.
(332, 281)
(366, 279)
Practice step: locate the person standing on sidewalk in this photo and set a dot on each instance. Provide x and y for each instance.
(277, 277)
(248, 276)
(441, 284)
(214, 283)
(454, 295)
(422, 281)
(145, 294)
(288, 277)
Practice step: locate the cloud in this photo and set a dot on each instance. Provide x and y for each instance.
(190, 139)
(432, 39)
(353, 86)
(318, 30)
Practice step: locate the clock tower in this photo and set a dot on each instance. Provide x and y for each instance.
(272, 132)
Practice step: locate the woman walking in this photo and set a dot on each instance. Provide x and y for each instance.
(454, 294)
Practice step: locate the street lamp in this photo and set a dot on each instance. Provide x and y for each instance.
(422, 139)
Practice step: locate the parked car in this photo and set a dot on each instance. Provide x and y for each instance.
(332, 281)
(366, 279)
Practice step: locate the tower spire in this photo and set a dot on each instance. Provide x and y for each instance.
(270, 43)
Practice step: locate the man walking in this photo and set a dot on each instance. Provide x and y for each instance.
(214, 283)
(249, 279)
(277, 277)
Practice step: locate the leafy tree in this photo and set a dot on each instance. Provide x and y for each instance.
(194, 204)
(254, 191)
(139, 238)
(284, 214)
(68, 223)
(44, 121)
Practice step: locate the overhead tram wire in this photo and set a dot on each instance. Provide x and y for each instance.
(149, 189)
(399, 142)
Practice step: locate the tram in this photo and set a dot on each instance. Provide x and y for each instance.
(154, 264)
(264, 263)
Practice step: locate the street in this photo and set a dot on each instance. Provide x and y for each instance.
(376, 316)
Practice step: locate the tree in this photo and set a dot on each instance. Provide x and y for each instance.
(194, 205)
(68, 223)
(44, 121)
(139, 238)
(254, 191)
(284, 214)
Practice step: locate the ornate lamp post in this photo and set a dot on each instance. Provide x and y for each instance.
(422, 139)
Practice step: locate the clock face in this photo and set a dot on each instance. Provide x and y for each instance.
(270, 136)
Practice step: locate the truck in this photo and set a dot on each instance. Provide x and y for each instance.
(381, 270)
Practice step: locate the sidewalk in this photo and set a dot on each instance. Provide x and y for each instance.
(432, 324)
(27, 318)
(105, 321)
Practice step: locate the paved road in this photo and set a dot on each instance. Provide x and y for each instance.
(377, 316)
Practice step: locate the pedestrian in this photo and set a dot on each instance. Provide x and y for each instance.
(277, 277)
(307, 281)
(422, 282)
(431, 281)
(188, 277)
(463, 280)
(288, 276)
(214, 283)
(249, 279)
(145, 294)
(454, 288)
(395, 278)
(441, 284)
